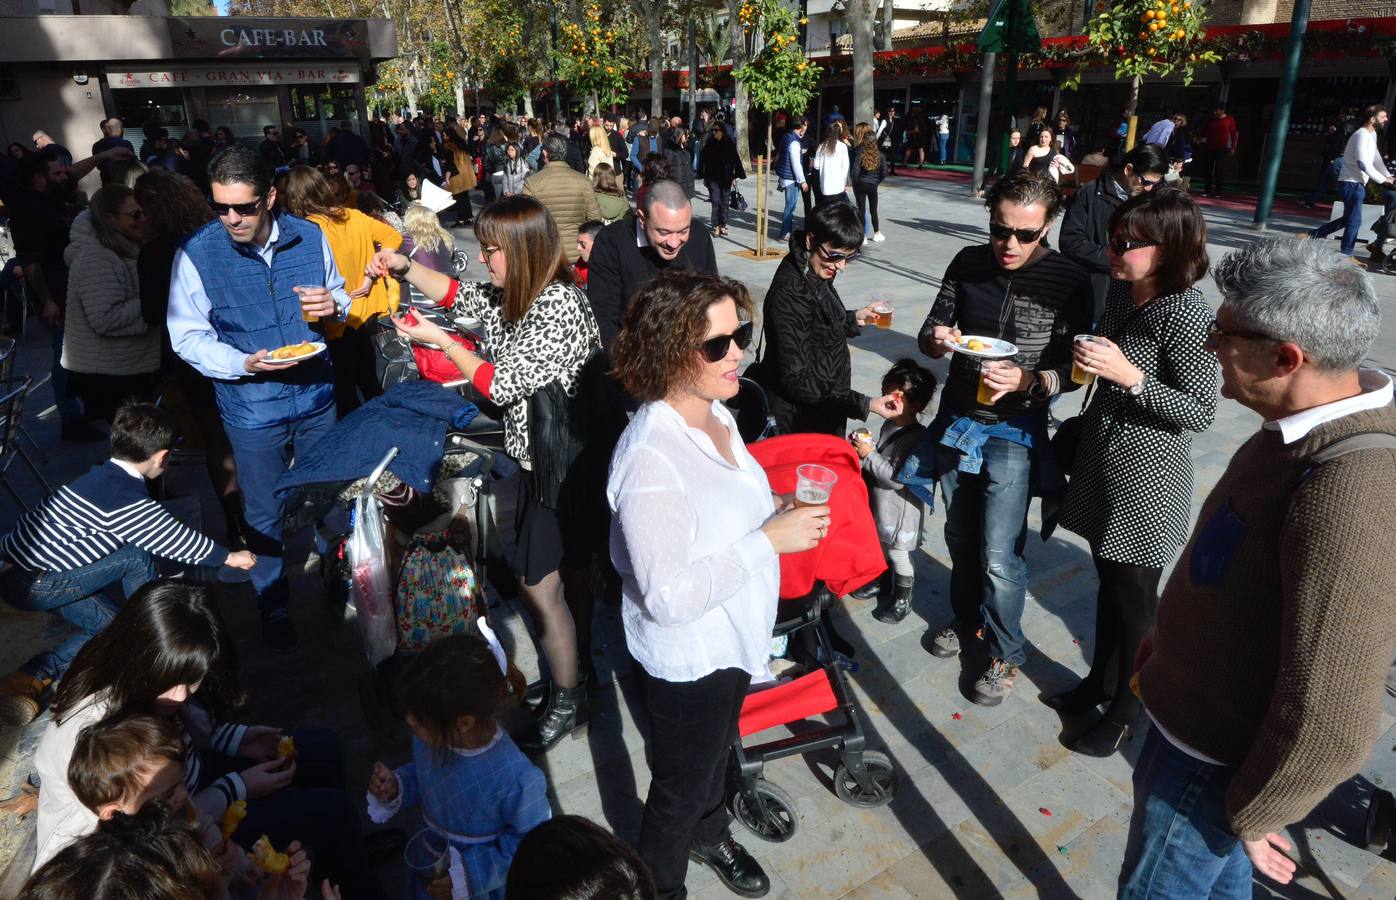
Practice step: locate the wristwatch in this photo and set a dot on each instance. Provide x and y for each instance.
(1138, 389)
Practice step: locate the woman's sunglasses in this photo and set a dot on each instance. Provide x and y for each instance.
(1024, 235)
(714, 349)
(1120, 246)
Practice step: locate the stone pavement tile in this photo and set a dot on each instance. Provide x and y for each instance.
(945, 867)
(1380, 884)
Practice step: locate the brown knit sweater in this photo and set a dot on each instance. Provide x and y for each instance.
(1276, 628)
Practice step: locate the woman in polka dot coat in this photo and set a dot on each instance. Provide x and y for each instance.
(1130, 495)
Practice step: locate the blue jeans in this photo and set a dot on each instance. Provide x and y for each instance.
(1326, 179)
(986, 527)
(78, 596)
(1352, 195)
(720, 196)
(792, 197)
(68, 405)
(262, 454)
(1180, 841)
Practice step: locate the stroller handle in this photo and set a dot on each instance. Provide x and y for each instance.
(382, 466)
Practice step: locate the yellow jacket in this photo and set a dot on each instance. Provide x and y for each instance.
(353, 242)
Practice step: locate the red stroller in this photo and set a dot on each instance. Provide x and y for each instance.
(847, 559)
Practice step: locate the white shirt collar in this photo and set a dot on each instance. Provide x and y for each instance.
(1376, 393)
(128, 468)
(641, 239)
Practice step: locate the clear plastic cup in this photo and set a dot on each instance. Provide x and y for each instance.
(985, 394)
(813, 485)
(427, 854)
(300, 290)
(1079, 375)
(882, 314)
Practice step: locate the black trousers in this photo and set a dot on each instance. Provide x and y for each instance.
(1126, 606)
(692, 727)
(866, 195)
(354, 371)
(1216, 165)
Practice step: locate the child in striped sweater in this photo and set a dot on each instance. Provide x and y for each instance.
(66, 554)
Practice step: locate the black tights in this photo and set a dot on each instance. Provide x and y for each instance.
(1126, 605)
(867, 201)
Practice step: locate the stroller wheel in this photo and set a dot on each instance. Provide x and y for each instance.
(779, 821)
(882, 774)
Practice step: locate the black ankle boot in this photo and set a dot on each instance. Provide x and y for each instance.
(900, 607)
(1083, 698)
(565, 713)
(1101, 739)
(873, 590)
(734, 866)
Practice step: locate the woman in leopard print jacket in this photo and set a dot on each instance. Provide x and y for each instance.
(539, 329)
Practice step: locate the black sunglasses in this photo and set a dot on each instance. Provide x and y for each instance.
(242, 209)
(714, 349)
(1120, 246)
(1024, 235)
(833, 257)
(1216, 334)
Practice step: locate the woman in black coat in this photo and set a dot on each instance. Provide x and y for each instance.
(806, 370)
(679, 152)
(719, 168)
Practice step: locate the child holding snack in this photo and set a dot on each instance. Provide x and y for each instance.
(473, 783)
(897, 512)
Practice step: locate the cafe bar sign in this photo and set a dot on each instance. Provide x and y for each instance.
(234, 76)
(246, 37)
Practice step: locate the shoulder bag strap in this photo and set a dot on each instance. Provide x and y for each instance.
(1367, 440)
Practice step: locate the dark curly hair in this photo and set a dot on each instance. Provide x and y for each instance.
(1170, 219)
(657, 348)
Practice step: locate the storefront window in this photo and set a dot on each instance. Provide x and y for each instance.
(246, 110)
(319, 107)
(143, 108)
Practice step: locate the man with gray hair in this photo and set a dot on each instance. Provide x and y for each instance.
(113, 135)
(565, 192)
(628, 253)
(1264, 673)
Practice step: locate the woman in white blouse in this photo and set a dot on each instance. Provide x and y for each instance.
(696, 537)
(831, 159)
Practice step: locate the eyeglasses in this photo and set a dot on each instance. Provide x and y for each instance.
(1120, 246)
(1216, 334)
(1150, 183)
(714, 349)
(487, 251)
(831, 257)
(242, 209)
(1002, 232)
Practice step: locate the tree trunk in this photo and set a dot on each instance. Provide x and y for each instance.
(692, 72)
(460, 96)
(528, 102)
(741, 111)
(889, 16)
(861, 14)
(654, 17)
(1130, 113)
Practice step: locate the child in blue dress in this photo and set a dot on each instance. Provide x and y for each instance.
(472, 782)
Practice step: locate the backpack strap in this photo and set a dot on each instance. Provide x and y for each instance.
(1367, 440)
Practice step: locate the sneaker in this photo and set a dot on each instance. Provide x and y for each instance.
(995, 684)
(783, 239)
(946, 643)
(877, 237)
(19, 698)
(278, 631)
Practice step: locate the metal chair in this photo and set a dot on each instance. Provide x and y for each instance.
(12, 394)
(9, 351)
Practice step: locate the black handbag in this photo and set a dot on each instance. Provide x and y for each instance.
(1067, 440)
(737, 201)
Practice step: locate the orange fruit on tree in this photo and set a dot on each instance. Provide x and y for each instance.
(1154, 26)
(1148, 15)
(1179, 34)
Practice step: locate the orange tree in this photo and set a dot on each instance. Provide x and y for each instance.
(776, 76)
(1153, 38)
(588, 58)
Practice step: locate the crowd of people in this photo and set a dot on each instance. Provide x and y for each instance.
(609, 348)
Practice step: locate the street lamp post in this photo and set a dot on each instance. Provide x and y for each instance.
(1279, 124)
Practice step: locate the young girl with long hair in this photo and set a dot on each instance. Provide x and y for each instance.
(471, 780)
(868, 172)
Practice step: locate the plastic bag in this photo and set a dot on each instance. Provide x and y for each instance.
(371, 588)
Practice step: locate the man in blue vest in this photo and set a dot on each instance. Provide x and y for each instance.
(243, 286)
(791, 173)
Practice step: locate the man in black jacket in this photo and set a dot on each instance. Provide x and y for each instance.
(1086, 225)
(629, 253)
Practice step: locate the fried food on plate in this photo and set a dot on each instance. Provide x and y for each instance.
(293, 351)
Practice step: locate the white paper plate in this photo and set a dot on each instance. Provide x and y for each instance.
(996, 349)
(319, 348)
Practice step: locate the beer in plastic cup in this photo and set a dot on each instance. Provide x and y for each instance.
(882, 314)
(1079, 375)
(300, 290)
(813, 485)
(985, 395)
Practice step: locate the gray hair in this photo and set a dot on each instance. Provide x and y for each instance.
(1305, 292)
(668, 193)
(555, 145)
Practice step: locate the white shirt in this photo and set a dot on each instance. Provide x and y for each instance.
(193, 336)
(1376, 393)
(699, 579)
(1361, 158)
(833, 168)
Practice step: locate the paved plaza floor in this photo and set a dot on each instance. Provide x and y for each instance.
(990, 804)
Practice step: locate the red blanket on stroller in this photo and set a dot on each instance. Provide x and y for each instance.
(850, 556)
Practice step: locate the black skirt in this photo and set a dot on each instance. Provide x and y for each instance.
(550, 539)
